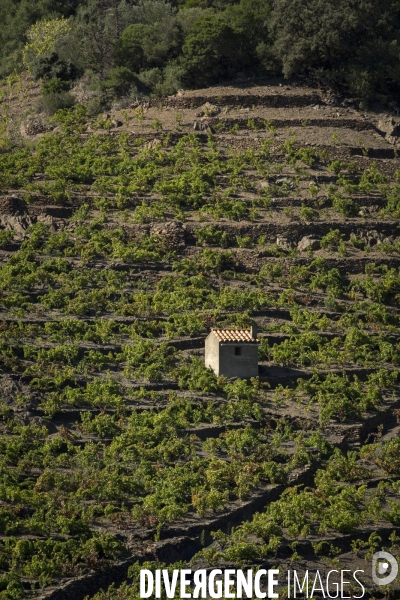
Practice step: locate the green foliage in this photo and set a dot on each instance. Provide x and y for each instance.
(211, 50)
(308, 213)
(53, 101)
(185, 324)
(50, 66)
(345, 206)
(332, 240)
(6, 236)
(339, 398)
(212, 236)
(327, 42)
(209, 261)
(42, 37)
(144, 46)
(144, 358)
(54, 86)
(153, 48)
(121, 80)
(136, 434)
(195, 376)
(386, 455)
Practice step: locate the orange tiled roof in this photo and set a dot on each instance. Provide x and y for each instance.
(235, 335)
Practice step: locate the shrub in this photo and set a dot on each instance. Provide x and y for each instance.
(345, 206)
(98, 104)
(50, 66)
(55, 86)
(55, 101)
(332, 239)
(41, 39)
(6, 236)
(122, 80)
(212, 236)
(307, 213)
(196, 377)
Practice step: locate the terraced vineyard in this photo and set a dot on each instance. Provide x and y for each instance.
(125, 238)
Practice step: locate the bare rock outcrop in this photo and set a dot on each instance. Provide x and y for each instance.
(172, 232)
(208, 110)
(33, 125)
(284, 242)
(17, 223)
(309, 243)
(153, 144)
(12, 205)
(53, 223)
(202, 125)
(13, 216)
(391, 128)
(372, 237)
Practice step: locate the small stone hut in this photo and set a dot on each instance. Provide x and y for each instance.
(232, 352)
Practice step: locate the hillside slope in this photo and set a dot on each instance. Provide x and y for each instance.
(124, 239)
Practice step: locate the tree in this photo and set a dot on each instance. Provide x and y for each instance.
(49, 66)
(98, 24)
(213, 50)
(16, 17)
(250, 18)
(122, 80)
(351, 42)
(144, 46)
(42, 37)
